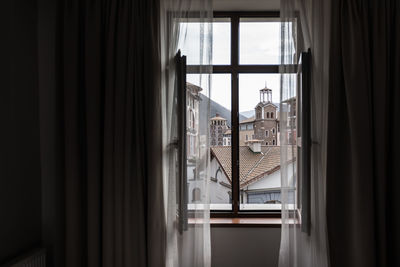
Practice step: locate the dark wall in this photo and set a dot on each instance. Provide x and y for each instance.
(51, 133)
(20, 178)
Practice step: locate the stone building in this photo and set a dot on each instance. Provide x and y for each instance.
(192, 117)
(291, 120)
(266, 123)
(260, 179)
(227, 138)
(246, 130)
(218, 127)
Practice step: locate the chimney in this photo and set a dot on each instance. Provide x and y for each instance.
(254, 145)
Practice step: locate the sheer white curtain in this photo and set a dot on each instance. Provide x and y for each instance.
(311, 31)
(191, 247)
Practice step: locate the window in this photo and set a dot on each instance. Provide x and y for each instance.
(196, 194)
(246, 82)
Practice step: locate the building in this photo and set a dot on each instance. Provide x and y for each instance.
(266, 123)
(227, 138)
(291, 121)
(192, 119)
(246, 130)
(260, 179)
(218, 127)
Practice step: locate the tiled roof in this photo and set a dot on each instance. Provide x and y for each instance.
(263, 104)
(253, 166)
(251, 119)
(193, 88)
(218, 118)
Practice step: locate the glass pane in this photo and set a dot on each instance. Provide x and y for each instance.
(219, 122)
(190, 42)
(221, 42)
(259, 151)
(259, 41)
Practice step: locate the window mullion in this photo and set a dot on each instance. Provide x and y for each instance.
(235, 113)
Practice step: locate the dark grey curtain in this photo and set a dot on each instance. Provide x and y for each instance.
(112, 131)
(363, 167)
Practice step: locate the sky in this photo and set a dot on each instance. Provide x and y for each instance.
(259, 43)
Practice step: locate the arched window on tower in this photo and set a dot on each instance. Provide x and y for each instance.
(196, 194)
(267, 115)
(272, 115)
(218, 174)
(258, 113)
(193, 124)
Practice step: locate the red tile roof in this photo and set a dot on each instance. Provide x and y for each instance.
(253, 166)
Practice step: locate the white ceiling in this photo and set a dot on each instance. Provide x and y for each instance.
(245, 5)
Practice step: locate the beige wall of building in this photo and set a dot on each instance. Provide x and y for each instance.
(243, 134)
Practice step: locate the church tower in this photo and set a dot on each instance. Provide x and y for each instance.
(265, 124)
(266, 95)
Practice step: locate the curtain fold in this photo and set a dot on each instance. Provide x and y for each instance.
(308, 22)
(110, 76)
(191, 247)
(363, 159)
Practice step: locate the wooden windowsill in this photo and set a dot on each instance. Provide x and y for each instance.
(241, 222)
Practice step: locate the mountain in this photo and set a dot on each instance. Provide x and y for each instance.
(214, 109)
(248, 113)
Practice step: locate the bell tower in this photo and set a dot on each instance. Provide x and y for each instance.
(266, 95)
(265, 123)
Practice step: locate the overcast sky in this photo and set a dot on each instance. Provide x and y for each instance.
(259, 44)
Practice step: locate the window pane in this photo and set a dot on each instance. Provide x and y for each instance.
(259, 41)
(259, 157)
(221, 42)
(190, 42)
(219, 120)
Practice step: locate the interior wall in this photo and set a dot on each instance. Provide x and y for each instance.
(50, 109)
(20, 177)
(245, 247)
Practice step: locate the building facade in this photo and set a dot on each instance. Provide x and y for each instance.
(227, 138)
(218, 127)
(266, 122)
(246, 131)
(192, 119)
(260, 178)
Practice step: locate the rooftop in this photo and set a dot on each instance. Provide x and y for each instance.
(251, 119)
(193, 88)
(253, 166)
(218, 118)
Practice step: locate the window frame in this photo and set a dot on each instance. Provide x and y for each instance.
(234, 68)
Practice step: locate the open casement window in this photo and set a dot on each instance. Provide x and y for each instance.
(181, 183)
(304, 139)
(244, 118)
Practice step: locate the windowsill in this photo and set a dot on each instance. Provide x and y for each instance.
(241, 222)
